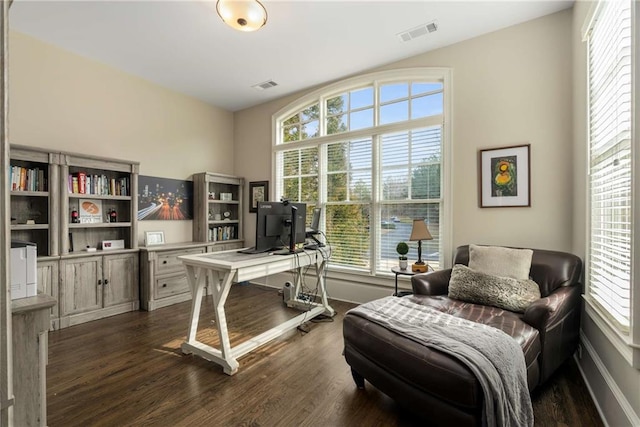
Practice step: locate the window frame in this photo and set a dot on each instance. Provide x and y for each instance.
(355, 83)
(626, 342)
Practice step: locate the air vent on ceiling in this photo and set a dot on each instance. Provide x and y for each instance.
(265, 85)
(419, 31)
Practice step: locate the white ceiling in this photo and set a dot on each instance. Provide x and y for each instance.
(184, 46)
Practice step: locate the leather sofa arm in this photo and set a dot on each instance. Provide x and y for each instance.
(544, 313)
(432, 283)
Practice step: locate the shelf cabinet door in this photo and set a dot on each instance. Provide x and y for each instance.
(81, 287)
(48, 284)
(120, 274)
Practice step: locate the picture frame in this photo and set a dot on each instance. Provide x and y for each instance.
(258, 192)
(90, 211)
(152, 238)
(157, 191)
(505, 176)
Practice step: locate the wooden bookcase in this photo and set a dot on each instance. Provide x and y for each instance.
(87, 285)
(103, 282)
(217, 216)
(35, 212)
(35, 198)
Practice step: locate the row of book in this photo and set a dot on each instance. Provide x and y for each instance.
(228, 232)
(27, 179)
(101, 185)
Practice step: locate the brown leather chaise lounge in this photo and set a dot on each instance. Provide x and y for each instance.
(438, 386)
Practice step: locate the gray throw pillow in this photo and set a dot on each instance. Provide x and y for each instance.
(502, 292)
(499, 261)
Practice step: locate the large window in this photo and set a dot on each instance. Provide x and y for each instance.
(609, 268)
(370, 151)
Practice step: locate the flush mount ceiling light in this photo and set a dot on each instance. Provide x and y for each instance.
(242, 15)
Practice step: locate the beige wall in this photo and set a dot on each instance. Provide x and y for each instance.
(614, 384)
(63, 101)
(509, 87)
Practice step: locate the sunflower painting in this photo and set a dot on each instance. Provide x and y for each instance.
(504, 176)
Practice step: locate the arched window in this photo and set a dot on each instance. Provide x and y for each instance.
(372, 151)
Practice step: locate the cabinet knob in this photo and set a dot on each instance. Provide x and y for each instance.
(164, 285)
(99, 282)
(106, 281)
(164, 262)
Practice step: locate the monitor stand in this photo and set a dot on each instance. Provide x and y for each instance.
(316, 245)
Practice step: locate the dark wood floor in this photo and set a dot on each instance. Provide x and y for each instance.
(128, 370)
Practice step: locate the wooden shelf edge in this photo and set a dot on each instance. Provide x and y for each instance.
(97, 196)
(75, 226)
(98, 252)
(224, 202)
(30, 193)
(19, 227)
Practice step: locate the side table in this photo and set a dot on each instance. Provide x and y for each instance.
(400, 272)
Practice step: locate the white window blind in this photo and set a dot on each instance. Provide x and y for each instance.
(411, 186)
(610, 166)
(349, 200)
(299, 174)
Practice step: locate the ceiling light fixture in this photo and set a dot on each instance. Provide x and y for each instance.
(242, 15)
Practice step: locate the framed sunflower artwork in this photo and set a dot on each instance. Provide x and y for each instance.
(505, 177)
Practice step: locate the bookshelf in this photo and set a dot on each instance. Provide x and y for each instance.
(97, 282)
(34, 201)
(87, 285)
(92, 188)
(217, 216)
(35, 212)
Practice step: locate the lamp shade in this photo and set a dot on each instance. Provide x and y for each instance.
(243, 15)
(420, 231)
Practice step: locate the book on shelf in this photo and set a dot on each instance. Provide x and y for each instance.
(100, 185)
(222, 233)
(82, 182)
(27, 179)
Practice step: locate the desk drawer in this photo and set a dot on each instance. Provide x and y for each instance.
(171, 285)
(168, 261)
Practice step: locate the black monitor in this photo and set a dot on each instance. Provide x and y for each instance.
(274, 224)
(314, 229)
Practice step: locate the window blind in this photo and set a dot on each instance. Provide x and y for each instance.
(610, 165)
(349, 201)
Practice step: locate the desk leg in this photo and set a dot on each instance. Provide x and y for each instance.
(220, 292)
(320, 270)
(196, 283)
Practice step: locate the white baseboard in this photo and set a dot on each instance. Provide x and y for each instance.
(610, 401)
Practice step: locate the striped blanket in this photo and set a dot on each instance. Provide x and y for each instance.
(494, 357)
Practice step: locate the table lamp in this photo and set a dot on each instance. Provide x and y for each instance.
(419, 232)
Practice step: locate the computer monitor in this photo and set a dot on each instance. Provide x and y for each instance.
(275, 222)
(314, 229)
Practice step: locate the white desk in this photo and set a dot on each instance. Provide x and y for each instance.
(225, 268)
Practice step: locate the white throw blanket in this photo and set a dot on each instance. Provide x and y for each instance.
(494, 357)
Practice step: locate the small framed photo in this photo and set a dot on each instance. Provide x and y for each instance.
(90, 211)
(153, 238)
(505, 177)
(258, 192)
